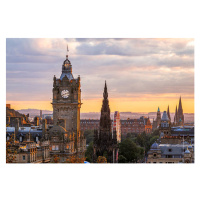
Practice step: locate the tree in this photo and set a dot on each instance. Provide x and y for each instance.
(89, 152)
(89, 135)
(155, 132)
(101, 159)
(122, 159)
(129, 150)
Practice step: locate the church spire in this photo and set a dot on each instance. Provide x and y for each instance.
(180, 113)
(105, 94)
(180, 106)
(168, 113)
(175, 116)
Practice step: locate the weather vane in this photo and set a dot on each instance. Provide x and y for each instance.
(67, 51)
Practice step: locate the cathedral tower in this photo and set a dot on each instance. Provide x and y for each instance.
(105, 143)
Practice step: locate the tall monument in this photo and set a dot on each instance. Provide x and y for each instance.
(105, 142)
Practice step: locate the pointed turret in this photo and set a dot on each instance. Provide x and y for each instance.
(105, 94)
(67, 68)
(168, 114)
(180, 109)
(175, 116)
(180, 113)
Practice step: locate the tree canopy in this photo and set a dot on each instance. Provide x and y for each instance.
(129, 152)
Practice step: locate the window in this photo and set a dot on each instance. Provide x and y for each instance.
(8, 138)
(36, 139)
(154, 155)
(20, 138)
(170, 150)
(24, 157)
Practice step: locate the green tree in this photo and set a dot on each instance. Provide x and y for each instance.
(122, 159)
(130, 151)
(89, 135)
(89, 153)
(155, 132)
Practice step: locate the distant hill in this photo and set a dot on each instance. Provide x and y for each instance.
(34, 112)
(189, 117)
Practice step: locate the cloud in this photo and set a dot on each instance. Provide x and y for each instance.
(132, 67)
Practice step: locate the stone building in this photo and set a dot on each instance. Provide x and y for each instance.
(89, 124)
(171, 153)
(29, 143)
(105, 142)
(66, 138)
(117, 126)
(31, 152)
(156, 123)
(175, 145)
(140, 125)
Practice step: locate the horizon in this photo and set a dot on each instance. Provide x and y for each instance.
(100, 111)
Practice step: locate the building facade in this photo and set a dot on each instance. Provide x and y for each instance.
(117, 126)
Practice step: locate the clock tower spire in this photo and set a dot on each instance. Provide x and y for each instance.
(67, 104)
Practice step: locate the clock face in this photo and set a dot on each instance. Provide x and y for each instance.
(65, 94)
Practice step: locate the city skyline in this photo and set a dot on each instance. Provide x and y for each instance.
(141, 74)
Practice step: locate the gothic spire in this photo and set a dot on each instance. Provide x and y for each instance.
(105, 94)
(180, 106)
(175, 116)
(168, 113)
(105, 121)
(158, 109)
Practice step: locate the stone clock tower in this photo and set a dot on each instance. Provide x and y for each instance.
(67, 103)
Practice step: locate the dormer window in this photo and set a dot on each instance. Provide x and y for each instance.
(20, 138)
(8, 138)
(36, 139)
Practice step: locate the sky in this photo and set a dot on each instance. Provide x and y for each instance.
(141, 74)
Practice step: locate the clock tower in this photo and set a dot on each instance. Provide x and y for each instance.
(67, 103)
